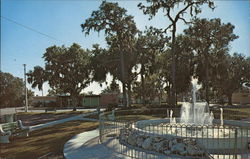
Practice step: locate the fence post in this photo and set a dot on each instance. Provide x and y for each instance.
(235, 142)
(100, 127)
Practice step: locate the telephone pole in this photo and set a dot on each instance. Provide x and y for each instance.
(26, 98)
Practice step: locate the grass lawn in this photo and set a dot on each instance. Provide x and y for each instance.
(233, 113)
(49, 140)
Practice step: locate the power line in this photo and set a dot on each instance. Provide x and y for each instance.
(29, 28)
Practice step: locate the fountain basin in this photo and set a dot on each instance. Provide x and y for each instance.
(229, 138)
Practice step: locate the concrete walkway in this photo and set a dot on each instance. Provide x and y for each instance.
(78, 117)
(86, 146)
(72, 146)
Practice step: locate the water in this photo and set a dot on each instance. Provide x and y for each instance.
(196, 113)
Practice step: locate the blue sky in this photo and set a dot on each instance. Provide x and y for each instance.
(61, 19)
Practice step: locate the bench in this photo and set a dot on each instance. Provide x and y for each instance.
(12, 129)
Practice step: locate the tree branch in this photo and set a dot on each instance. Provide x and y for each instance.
(169, 16)
(185, 21)
(181, 11)
(165, 30)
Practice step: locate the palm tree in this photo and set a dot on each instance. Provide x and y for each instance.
(36, 78)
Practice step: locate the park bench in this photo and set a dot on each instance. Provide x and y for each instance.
(12, 129)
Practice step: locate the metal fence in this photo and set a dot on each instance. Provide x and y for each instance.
(220, 142)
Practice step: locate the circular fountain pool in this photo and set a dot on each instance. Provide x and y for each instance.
(214, 138)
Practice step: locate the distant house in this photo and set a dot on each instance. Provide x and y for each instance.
(242, 96)
(90, 101)
(157, 100)
(109, 98)
(43, 100)
(86, 101)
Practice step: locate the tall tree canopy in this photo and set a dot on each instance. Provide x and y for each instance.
(119, 28)
(209, 37)
(149, 45)
(12, 90)
(180, 8)
(67, 69)
(231, 73)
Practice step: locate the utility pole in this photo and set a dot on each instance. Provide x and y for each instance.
(26, 98)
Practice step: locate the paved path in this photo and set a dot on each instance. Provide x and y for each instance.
(87, 146)
(78, 117)
(14, 110)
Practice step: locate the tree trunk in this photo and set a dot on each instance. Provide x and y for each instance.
(42, 95)
(207, 76)
(229, 97)
(124, 94)
(74, 101)
(160, 97)
(123, 78)
(173, 91)
(129, 95)
(169, 94)
(143, 85)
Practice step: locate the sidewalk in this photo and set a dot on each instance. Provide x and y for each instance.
(78, 117)
(87, 146)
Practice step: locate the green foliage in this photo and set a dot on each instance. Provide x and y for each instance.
(55, 92)
(120, 30)
(112, 19)
(168, 7)
(68, 69)
(12, 90)
(194, 7)
(146, 47)
(231, 72)
(112, 88)
(209, 39)
(153, 88)
(37, 77)
(184, 64)
(99, 61)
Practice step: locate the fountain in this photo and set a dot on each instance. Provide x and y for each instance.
(196, 113)
(167, 113)
(195, 133)
(172, 120)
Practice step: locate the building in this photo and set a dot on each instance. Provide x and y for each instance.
(109, 98)
(91, 101)
(86, 101)
(40, 101)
